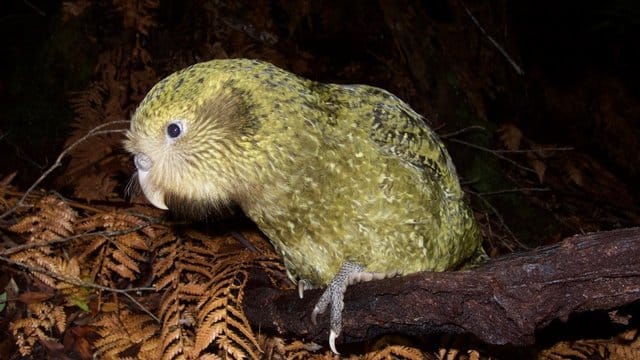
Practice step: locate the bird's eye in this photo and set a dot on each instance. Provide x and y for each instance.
(174, 130)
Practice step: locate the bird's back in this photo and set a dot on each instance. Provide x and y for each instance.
(360, 178)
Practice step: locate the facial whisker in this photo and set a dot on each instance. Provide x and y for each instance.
(133, 188)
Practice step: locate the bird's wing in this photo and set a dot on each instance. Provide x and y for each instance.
(400, 131)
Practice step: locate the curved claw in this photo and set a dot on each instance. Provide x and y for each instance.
(304, 285)
(332, 341)
(314, 314)
(333, 296)
(301, 287)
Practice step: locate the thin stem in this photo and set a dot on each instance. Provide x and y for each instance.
(93, 132)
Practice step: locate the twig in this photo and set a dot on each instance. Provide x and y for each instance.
(495, 43)
(500, 218)
(463, 130)
(93, 132)
(566, 148)
(494, 153)
(506, 191)
(81, 283)
(32, 245)
(111, 204)
(35, 8)
(250, 30)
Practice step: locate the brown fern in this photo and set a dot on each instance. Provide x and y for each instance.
(126, 332)
(137, 14)
(202, 281)
(74, 8)
(52, 219)
(625, 346)
(123, 76)
(276, 348)
(7, 201)
(119, 254)
(43, 322)
(221, 319)
(94, 165)
(395, 352)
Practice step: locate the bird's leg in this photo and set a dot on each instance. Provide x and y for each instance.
(349, 273)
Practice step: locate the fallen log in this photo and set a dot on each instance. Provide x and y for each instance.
(501, 302)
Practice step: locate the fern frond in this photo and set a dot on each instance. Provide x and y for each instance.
(119, 254)
(392, 352)
(40, 324)
(51, 219)
(221, 318)
(202, 296)
(296, 350)
(625, 346)
(7, 201)
(123, 331)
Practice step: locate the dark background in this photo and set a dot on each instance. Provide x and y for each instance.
(571, 116)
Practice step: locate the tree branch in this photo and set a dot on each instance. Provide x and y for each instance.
(502, 302)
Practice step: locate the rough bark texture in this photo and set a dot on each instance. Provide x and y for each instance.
(501, 302)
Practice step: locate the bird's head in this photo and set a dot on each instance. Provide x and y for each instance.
(190, 137)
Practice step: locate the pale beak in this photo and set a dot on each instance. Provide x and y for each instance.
(154, 195)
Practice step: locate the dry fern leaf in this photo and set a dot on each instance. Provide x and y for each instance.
(52, 219)
(121, 253)
(94, 164)
(176, 304)
(221, 318)
(201, 305)
(123, 75)
(106, 100)
(126, 333)
(7, 200)
(74, 8)
(97, 186)
(275, 348)
(511, 136)
(392, 352)
(137, 14)
(625, 346)
(36, 258)
(45, 322)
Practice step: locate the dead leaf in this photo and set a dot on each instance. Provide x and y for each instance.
(510, 136)
(539, 167)
(32, 297)
(575, 174)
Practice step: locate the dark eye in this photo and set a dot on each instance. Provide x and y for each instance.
(174, 130)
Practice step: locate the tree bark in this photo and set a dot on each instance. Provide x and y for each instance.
(501, 302)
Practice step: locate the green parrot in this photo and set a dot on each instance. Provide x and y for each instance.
(347, 181)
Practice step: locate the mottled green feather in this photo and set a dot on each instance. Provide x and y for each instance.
(330, 173)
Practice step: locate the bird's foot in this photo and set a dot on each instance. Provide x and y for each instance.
(350, 273)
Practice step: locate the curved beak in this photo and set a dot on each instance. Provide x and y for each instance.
(154, 195)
